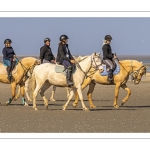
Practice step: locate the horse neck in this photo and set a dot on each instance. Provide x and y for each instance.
(130, 65)
(27, 63)
(86, 64)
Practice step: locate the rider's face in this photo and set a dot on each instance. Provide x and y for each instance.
(108, 41)
(47, 43)
(8, 44)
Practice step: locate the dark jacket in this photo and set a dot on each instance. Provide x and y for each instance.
(62, 51)
(107, 52)
(8, 53)
(46, 53)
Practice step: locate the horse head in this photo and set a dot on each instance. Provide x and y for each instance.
(96, 62)
(137, 75)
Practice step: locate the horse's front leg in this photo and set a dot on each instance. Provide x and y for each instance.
(22, 89)
(117, 87)
(72, 91)
(89, 94)
(53, 93)
(18, 94)
(124, 86)
(26, 90)
(79, 90)
(13, 91)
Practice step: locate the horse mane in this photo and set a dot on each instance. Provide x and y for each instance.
(80, 58)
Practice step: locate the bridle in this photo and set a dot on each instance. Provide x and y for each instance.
(95, 66)
(134, 74)
(26, 70)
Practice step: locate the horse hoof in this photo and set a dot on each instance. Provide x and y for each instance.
(92, 106)
(116, 106)
(26, 104)
(35, 109)
(63, 108)
(6, 104)
(53, 100)
(74, 104)
(85, 109)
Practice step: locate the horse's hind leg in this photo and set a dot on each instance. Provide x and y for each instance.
(43, 89)
(124, 86)
(22, 89)
(53, 92)
(89, 94)
(13, 90)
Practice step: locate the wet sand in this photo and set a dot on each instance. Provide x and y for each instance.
(133, 117)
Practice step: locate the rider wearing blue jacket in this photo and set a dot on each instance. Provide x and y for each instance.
(9, 57)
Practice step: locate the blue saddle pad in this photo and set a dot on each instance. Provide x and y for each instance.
(116, 71)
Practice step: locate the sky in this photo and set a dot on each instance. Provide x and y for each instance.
(131, 35)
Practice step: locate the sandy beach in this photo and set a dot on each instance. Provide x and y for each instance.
(133, 117)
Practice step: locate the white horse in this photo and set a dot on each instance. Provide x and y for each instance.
(44, 76)
(77, 59)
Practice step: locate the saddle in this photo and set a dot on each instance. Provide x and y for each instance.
(106, 68)
(61, 69)
(3, 69)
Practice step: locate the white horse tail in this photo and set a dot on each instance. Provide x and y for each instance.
(32, 84)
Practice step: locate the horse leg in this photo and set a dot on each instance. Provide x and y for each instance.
(26, 90)
(53, 92)
(43, 89)
(84, 85)
(89, 94)
(38, 86)
(79, 90)
(72, 91)
(117, 87)
(124, 86)
(68, 92)
(18, 94)
(13, 91)
(22, 89)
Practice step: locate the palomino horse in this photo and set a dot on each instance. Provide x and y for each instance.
(43, 80)
(19, 76)
(127, 67)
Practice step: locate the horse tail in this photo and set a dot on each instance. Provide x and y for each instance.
(32, 84)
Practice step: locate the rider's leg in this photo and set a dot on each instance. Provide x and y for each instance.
(68, 67)
(109, 63)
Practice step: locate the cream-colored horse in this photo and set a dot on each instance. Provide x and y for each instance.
(19, 76)
(42, 80)
(77, 59)
(127, 67)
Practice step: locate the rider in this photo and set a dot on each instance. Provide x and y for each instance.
(46, 54)
(108, 56)
(65, 58)
(9, 57)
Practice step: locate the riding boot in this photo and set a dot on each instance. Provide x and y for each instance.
(9, 73)
(68, 76)
(110, 75)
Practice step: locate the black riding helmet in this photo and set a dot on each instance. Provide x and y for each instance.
(7, 41)
(46, 39)
(63, 37)
(108, 37)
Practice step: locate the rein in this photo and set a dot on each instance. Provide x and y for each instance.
(25, 69)
(135, 72)
(96, 67)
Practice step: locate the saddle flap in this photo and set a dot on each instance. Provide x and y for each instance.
(3, 69)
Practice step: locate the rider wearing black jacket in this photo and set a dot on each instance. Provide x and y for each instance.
(46, 54)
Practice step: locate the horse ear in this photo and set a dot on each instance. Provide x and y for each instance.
(146, 67)
(94, 53)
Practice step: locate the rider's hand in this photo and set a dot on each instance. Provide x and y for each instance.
(54, 61)
(72, 61)
(115, 55)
